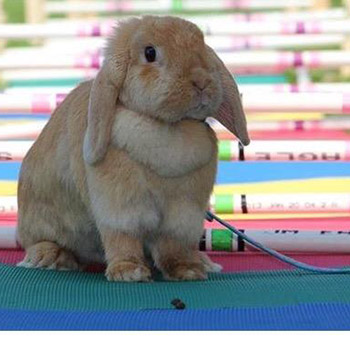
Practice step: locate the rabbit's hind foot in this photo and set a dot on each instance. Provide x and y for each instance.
(49, 255)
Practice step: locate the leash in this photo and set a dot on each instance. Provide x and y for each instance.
(324, 270)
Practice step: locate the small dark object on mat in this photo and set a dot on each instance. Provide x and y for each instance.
(178, 303)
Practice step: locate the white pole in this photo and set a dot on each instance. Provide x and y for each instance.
(286, 150)
(8, 237)
(56, 7)
(235, 61)
(281, 150)
(280, 203)
(317, 241)
(212, 27)
(336, 103)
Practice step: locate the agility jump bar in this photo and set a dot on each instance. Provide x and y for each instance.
(257, 151)
(315, 241)
(30, 130)
(209, 27)
(332, 102)
(279, 60)
(161, 6)
(243, 88)
(312, 241)
(250, 203)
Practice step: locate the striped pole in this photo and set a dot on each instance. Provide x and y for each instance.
(33, 75)
(301, 87)
(317, 241)
(269, 16)
(243, 88)
(283, 60)
(234, 61)
(217, 42)
(8, 206)
(27, 103)
(333, 124)
(280, 203)
(332, 102)
(209, 27)
(158, 6)
(17, 131)
(89, 61)
(281, 150)
(56, 30)
(281, 240)
(278, 27)
(31, 130)
(336, 103)
(250, 203)
(8, 236)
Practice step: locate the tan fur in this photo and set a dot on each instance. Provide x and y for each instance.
(114, 172)
(49, 255)
(125, 255)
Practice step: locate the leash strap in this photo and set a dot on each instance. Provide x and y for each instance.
(324, 270)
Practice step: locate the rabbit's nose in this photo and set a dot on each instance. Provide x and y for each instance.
(199, 79)
(199, 84)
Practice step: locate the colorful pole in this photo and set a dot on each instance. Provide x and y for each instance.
(275, 150)
(280, 203)
(32, 75)
(218, 26)
(321, 241)
(330, 124)
(302, 87)
(219, 43)
(281, 240)
(31, 130)
(336, 103)
(250, 203)
(233, 60)
(158, 6)
(14, 150)
(281, 150)
(8, 237)
(8, 206)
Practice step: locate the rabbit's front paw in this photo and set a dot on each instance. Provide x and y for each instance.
(49, 255)
(128, 271)
(185, 271)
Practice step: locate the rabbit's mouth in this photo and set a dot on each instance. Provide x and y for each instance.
(200, 111)
(202, 106)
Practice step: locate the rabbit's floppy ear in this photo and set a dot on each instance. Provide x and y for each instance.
(102, 107)
(103, 102)
(230, 113)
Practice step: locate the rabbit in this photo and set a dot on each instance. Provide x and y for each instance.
(124, 168)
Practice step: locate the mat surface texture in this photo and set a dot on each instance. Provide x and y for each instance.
(42, 299)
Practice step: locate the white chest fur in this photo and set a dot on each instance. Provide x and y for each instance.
(171, 150)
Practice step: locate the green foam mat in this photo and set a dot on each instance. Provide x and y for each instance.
(32, 289)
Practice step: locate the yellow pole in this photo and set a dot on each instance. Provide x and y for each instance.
(82, 15)
(321, 4)
(2, 20)
(35, 13)
(345, 71)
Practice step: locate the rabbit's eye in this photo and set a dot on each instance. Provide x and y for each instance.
(150, 53)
